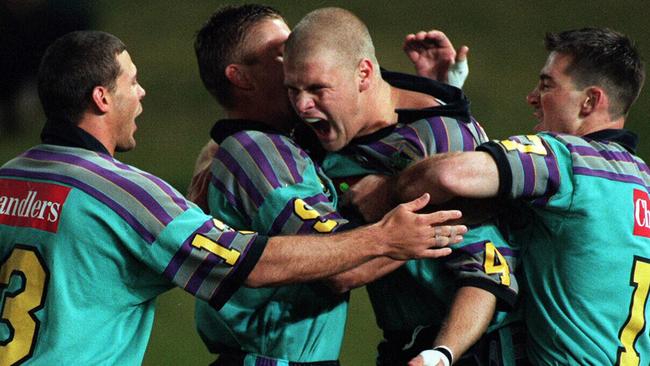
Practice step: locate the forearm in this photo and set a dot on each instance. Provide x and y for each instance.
(468, 319)
(289, 259)
(445, 176)
(401, 234)
(363, 274)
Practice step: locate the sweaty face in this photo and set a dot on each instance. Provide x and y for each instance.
(325, 95)
(556, 99)
(264, 58)
(127, 96)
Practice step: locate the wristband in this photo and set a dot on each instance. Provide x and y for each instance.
(457, 74)
(432, 357)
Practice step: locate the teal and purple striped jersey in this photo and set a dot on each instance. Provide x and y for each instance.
(420, 292)
(261, 180)
(86, 245)
(586, 248)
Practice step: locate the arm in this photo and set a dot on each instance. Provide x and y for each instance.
(435, 57)
(197, 192)
(468, 319)
(378, 267)
(401, 234)
(445, 176)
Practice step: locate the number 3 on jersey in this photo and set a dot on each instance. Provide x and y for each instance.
(23, 286)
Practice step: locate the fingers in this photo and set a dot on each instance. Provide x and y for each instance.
(417, 361)
(433, 253)
(461, 55)
(440, 217)
(418, 204)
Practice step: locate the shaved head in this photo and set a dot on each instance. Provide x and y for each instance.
(333, 33)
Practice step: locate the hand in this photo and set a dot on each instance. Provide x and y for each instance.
(435, 57)
(372, 196)
(412, 235)
(197, 192)
(429, 358)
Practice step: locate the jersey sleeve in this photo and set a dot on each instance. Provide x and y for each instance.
(176, 238)
(267, 183)
(486, 260)
(446, 134)
(532, 167)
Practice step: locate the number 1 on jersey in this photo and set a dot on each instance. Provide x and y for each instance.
(636, 321)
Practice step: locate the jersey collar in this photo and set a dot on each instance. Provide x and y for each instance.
(628, 139)
(67, 134)
(226, 127)
(456, 104)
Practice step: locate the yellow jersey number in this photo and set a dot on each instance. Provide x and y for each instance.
(495, 263)
(20, 305)
(636, 321)
(306, 212)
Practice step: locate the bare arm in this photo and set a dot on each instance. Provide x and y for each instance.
(468, 319)
(197, 192)
(471, 174)
(401, 234)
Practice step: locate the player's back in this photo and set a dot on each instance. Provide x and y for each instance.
(70, 291)
(587, 261)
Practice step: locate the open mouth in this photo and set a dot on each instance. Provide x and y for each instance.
(320, 126)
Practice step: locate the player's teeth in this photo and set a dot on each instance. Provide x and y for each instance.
(312, 120)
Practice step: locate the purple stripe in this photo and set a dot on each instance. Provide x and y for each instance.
(440, 135)
(608, 155)
(382, 148)
(184, 251)
(140, 194)
(306, 228)
(553, 180)
(146, 235)
(529, 174)
(281, 219)
(199, 276)
(410, 134)
(225, 239)
(469, 143)
(259, 361)
(609, 175)
(230, 197)
(259, 157)
(313, 200)
(241, 177)
(215, 294)
(480, 247)
(179, 200)
(287, 156)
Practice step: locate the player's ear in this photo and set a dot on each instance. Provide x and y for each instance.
(595, 98)
(365, 72)
(101, 98)
(238, 76)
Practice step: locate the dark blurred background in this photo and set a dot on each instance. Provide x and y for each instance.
(506, 54)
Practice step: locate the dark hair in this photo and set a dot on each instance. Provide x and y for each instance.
(72, 67)
(219, 43)
(605, 58)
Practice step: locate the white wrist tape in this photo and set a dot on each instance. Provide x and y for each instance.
(432, 357)
(457, 74)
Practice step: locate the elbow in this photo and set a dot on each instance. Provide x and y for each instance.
(340, 284)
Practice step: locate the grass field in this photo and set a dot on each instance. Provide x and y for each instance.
(506, 53)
